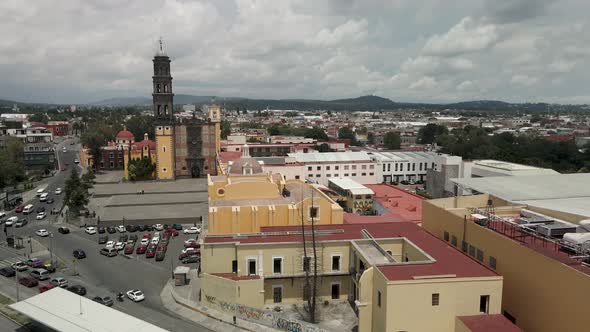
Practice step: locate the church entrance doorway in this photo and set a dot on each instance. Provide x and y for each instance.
(195, 172)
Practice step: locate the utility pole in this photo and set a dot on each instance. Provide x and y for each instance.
(31, 244)
(315, 262)
(17, 288)
(306, 266)
(51, 247)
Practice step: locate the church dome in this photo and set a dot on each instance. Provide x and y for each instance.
(125, 134)
(245, 166)
(145, 142)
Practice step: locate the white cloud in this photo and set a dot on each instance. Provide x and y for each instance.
(466, 86)
(466, 37)
(460, 64)
(523, 80)
(561, 66)
(424, 83)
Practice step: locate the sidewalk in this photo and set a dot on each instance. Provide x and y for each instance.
(184, 301)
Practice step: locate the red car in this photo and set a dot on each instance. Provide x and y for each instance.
(151, 251)
(129, 249)
(192, 244)
(147, 236)
(28, 282)
(19, 209)
(45, 288)
(141, 249)
(171, 231)
(189, 253)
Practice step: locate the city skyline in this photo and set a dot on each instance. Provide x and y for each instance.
(435, 51)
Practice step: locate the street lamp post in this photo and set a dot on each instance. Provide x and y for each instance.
(51, 247)
(17, 288)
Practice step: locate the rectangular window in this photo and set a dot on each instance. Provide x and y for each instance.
(364, 174)
(313, 211)
(353, 174)
(371, 173)
(383, 167)
(328, 175)
(309, 168)
(327, 168)
(251, 267)
(345, 174)
(371, 166)
(306, 264)
(346, 167)
(336, 167)
(277, 265)
(401, 167)
(335, 291)
(335, 263)
(379, 299)
(420, 166)
(319, 168)
(480, 255)
(396, 167)
(353, 166)
(435, 299)
(234, 266)
(446, 236)
(464, 246)
(317, 175)
(389, 167)
(432, 165)
(413, 166)
(364, 166)
(277, 294)
(471, 251)
(492, 263)
(484, 304)
(454, 240)
(296, 177)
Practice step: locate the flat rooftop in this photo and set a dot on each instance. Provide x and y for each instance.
(400, 205)
(447, 260)
(65, 311)
(488, 323)
(298, 190)
(349, 184)
(331, 157)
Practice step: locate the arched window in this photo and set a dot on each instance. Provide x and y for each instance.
(165, 88)
(165, 109)
(164, 148)
(158, 88)
(159, 109)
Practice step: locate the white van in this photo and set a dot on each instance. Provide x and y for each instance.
(28, 209)
(40, 274)
(40, 191)
(43, 197)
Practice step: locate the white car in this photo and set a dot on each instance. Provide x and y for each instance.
(43, 197)
(189, 250)
(76, 161)
(145, 242)
(159, 227)
(192, 230)
(42, 233)
(135, 295)
(40, 191)
(110, 244)
(11, 221)
(58, 191)
(121, 229)
(64, 149)
(19, 266)
(41, 215)
(90, 230)
(155, 240)
(2, 214)
(119, 246)
(190, 241)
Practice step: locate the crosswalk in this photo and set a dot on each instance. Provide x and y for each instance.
(9, 261)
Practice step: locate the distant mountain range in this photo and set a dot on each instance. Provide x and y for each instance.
(363, 103)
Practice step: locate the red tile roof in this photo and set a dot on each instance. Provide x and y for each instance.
(227, 156)
(489, 323)
(402, 206)
(125, 134)
(448, 259)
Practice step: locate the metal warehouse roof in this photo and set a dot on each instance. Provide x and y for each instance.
(65, 311)
(349, 184)
(402, 156)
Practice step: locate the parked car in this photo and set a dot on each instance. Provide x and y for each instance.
(149, 228)
(19, 266)
(111, 229)
(58, 191)
(79, 254)
(90, 230)
(41, 215)
(151, 251)
(11, 221)
(63, 230)
(103, 239)
(19, 209)
(177, 227)
(133, 237)
(155, 240)
(145, 242)
(191, 259)
(135, 295)
(131, 228)
(45, 288)
(7, 272)
(28, 282)
(42, 233)
(121, 229)
(80, 290)
(34, 262)
(123, 238)
(119, 246)
(192, 230)
(189, 252)
(49, 267)
(110, 244)
(141, 249)
(50, 200)
(40, 274)
(106, 300)
(147, 235)
(191, 243)
(160, 255)
(21, 222)
(109, 252)
(158, 227)
(43, 196)
(101, 230)
(141, 228)
(172, 232)
(128, 250)
(40, 209)
(59, 282)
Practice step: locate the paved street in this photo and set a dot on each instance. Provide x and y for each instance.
(101, 275)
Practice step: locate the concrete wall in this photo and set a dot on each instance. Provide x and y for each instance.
(540, 292)
(293, 289)
(165, 152)
(364, 301)
(222, 293)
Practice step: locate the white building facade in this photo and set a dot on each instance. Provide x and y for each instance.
(320, 167)
(403, 166)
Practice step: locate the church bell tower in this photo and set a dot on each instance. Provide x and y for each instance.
(164, 120)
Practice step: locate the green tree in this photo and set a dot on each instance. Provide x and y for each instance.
(12, 167)
(140, 125)
(39, 117)
(371, 138)
(78, 198)
(141, 169)
(324, 147)
(429, 133)
(225, 129)
(88, 178)
(347, 133)
(316, 133)
(392, 140)
(94, 140)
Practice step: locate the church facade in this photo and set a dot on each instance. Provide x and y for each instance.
(185, 146)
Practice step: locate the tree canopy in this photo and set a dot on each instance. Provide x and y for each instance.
(429, 133)
(139, 125)
(12, 167)
(392, 140)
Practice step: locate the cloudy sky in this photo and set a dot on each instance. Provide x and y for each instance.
(69, 51)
